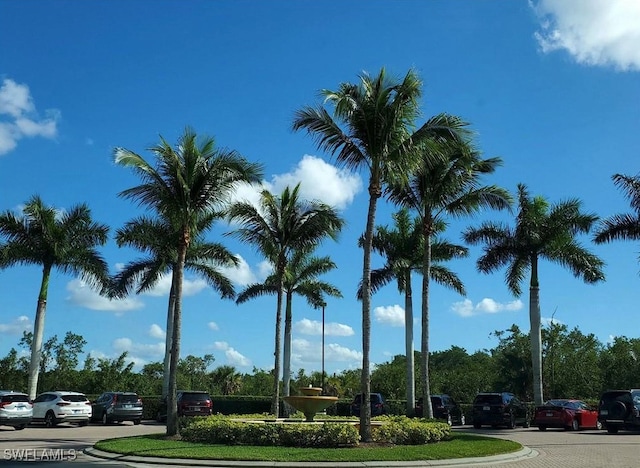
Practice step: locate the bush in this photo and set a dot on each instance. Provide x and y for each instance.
(398, 430)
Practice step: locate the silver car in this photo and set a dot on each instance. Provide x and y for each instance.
(53, 408)
(15, 409)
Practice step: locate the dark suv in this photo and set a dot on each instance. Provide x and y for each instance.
(620, 409)
(117, 406)
(190, 403)
(378, 406)
(444, 407)
(499, 409)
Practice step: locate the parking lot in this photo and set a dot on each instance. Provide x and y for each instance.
(556, 448)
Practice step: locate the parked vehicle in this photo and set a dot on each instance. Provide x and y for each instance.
(378, 405)
(53, 408)
(15, 409)
(190, 403)
(111, 407)
(444, 407)
(499, 409)
(619, 409)
(566, 414)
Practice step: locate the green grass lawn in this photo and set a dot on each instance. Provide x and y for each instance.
(461, 445)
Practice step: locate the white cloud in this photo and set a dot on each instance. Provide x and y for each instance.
(314, 327)
(265, 268)
(189, 287)
(547, 321)
(304, 351)
(213, 326)
(155, 331)
(17, 326)
(390, 315)
(485, 306)
(240, 275)
(138, 350)
(19, 118)
(234, 358)
(82, 295)
(593, 32)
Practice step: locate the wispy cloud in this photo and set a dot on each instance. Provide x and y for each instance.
(390, 315)
(155, 331)
(16, 326)
(304, 351)
(593, 32)
(314, 327)
(82, 295)
(485, 306)
(19, 117)
(234, 358)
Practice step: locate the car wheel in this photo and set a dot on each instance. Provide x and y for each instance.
(83, 423)
(542, 428)
(20, 427)
(477, 425)
(136, 422)
(575, 425)
(105, 419)
(50, 419)
(612, 430)
(599, 425)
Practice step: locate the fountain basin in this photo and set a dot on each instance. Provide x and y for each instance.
(311, 402)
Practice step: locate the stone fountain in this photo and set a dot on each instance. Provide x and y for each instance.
(310, 402)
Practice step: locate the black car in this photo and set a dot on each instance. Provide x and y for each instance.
(499, 409)
(444, 407)
(619, 409)
(190, 403)
(378, 405)
(111, 407)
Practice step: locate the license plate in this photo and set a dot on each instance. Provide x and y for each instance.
(127, 406)
(549, 415)
(21, 407)
(75, 411)
(486, 408)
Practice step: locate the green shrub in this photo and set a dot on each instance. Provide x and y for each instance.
(400, 430)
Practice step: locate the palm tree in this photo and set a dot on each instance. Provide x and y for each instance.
(403, 248)
(300, 278)
(541, 231)
(189, 182)
(53, 239)
(158, 238)
(437, 189)
(372, 127)
(280, 226)
(227, 379)
(625, 226)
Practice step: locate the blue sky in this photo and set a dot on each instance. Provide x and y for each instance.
(550, 86)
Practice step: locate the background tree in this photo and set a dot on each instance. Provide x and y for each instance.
(278, 227)
(190, 181)
(624, 226)
(371, 127)
(446, 183)
(300, 278)
(542, 231)
(403, 249)
(226, 380)
(54, 240)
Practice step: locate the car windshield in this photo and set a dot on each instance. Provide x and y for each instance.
(128, 398)
(74, 398)
(15, 398)
(488, 400)
(195, 396)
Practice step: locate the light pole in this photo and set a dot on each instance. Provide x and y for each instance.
(323, 389)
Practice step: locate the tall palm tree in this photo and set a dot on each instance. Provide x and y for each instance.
(625, 226)
(53, 239)
(440, 188)
(372, 128)
(278, 227)
(403, 248)
(188, 182)
(300, 278)
(158, 238)
(541, 231)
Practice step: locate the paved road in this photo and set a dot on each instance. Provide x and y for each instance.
(555, 448)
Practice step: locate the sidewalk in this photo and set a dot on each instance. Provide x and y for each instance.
(522, 454)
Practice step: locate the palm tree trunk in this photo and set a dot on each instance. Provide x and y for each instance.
(286, 368)
(38, 333)
(168, 341)
(275, 402)
(535, 334)
(408, 340)
(427, 409)
(365, 407)
(172, 408)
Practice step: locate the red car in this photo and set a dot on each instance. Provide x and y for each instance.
(566, 414)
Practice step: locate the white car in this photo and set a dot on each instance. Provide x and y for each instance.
(15, 409)
(53, 408)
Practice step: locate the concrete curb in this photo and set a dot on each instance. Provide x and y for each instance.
(521, 454)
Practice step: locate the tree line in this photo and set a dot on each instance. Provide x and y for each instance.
(429, 169)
